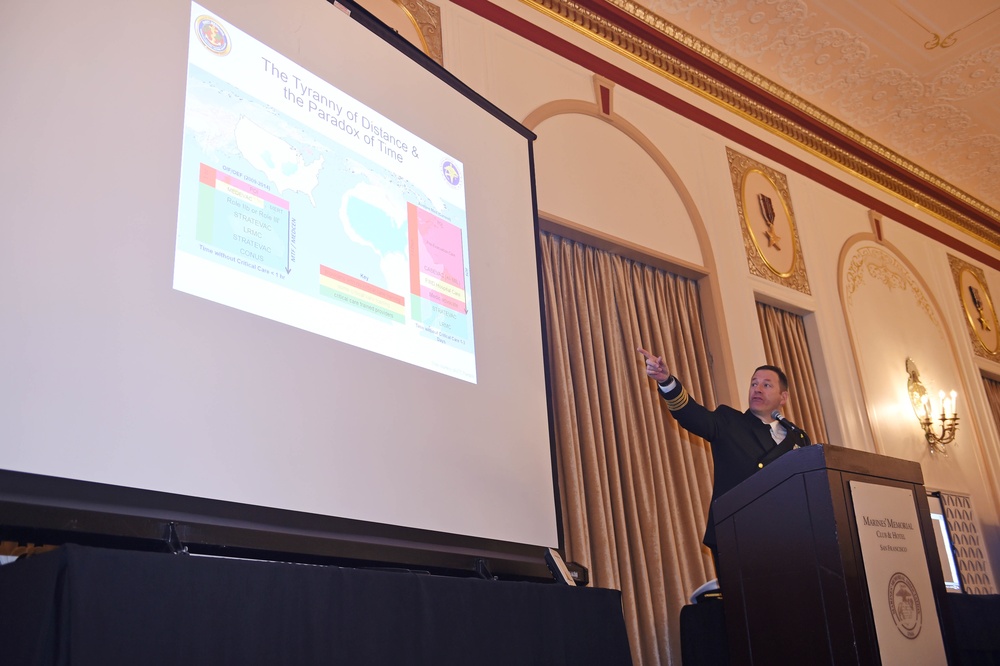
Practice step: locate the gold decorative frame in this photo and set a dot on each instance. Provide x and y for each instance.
(980, 315)
(770, 237)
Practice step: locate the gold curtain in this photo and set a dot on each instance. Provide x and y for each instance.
(785, 346)
(993, 397)
(634, 487)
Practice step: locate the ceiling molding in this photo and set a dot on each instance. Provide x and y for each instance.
(648, 39)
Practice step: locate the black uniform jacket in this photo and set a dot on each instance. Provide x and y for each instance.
(741, 443)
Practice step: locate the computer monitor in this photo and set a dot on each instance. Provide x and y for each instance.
(952, 580)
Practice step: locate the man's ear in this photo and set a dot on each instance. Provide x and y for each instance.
(784, 397)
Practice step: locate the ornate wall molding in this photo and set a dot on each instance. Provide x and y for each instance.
(876, 265)
(656, 55)
(426, 17)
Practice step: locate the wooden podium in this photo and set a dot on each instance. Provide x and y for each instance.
(803, 545)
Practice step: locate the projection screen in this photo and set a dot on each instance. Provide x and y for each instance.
(261, 256)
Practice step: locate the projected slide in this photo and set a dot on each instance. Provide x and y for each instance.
(302, 205)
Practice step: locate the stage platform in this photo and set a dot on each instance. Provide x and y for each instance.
(82, 605)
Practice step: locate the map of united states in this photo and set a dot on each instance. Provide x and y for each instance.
(282, 163)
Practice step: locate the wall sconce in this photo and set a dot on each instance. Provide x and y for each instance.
(938, 430)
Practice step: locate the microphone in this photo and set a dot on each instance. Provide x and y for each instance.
(791, 429)
(785, 423)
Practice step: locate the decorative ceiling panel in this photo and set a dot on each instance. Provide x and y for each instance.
(918, 77)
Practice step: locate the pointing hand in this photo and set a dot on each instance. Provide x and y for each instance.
(655, 367)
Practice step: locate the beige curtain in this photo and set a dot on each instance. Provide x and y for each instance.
(634, 488)
(993, 396)
(785, 346)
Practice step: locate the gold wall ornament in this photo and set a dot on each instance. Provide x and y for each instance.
(770, 237)
(767, 212)
(426, 18)
(980, 315)
(977, 301)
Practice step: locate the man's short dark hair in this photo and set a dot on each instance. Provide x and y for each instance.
(782, 379)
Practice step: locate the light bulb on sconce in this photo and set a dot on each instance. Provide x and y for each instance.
(939, 426)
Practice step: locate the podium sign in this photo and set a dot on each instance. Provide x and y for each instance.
(895, 567)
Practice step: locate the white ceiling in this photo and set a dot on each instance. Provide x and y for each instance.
(921, 78)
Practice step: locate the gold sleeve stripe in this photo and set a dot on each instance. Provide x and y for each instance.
(673, 404)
